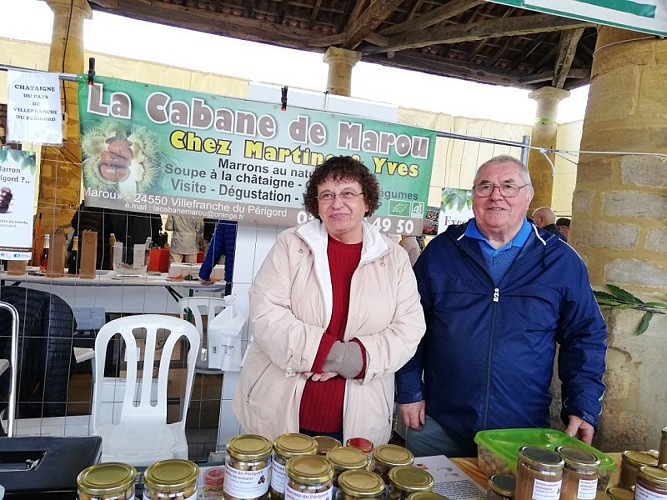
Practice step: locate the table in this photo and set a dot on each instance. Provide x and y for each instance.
(153, 293)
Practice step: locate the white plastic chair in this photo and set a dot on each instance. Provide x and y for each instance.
(196, 308)
(135, 431)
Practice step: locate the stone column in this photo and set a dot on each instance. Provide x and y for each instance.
(544, 136)
(60, 173)
(341, 62)
(618, 225)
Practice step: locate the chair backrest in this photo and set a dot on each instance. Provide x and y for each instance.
(195, 308)
(143, 397)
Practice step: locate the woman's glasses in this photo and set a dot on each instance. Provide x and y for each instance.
(329, 197)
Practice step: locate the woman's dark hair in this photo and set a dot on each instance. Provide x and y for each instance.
(342, 168)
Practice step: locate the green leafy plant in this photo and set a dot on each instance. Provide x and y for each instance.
(619, 298)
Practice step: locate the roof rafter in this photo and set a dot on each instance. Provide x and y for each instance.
(447, 11)
(568, 48)
(377, 12)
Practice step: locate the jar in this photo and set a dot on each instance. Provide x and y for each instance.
(107, 481)
(616, 493)
(247, 468)
(580, 473)
(407, 479)
(500, 487)
(285, 447)
(662, 451)
(651, 483)
(326, 443)
(345, 458)
(171, 479)
(360, 484)
(387, 456)
(309, 477)
(360, 443)
(630, 462)
(426, 495)
(539, 474)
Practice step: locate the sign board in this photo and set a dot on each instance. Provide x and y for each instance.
(648, 16)
(149, 148)
(455, 207)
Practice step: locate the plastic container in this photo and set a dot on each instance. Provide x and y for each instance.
(498, 450)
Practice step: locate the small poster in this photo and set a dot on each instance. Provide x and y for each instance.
(455, 207)
(33, 107)
(17, 188)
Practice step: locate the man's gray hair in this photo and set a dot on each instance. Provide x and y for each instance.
(503, 159)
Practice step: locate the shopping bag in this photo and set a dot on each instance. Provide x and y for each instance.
(224, 338)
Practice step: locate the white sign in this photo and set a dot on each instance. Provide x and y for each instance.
(17, 188)
(33, 107)
(649, 16)
(455, 207)
(449, 480)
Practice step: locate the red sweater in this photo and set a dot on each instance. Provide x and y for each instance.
(322, 402)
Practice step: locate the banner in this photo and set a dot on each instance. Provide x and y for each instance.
(33, 107)
(17, 193)
(455, 207)
(648, 16)
(148, 148)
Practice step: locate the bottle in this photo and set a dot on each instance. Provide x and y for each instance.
(147, 252)
(73, 264)
(44, 257)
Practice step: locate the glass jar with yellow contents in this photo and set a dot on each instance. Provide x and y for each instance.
(285, 447)
(309, 477)
(405, 480)
(171, 479)
(387, 456)
(107, 481)
(247, 468)
(360, 484)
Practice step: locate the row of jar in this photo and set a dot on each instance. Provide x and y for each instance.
(632, 463)
(290, 468)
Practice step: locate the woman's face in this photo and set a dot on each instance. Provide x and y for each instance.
(342, 215)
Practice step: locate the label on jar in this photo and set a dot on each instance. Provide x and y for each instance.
(278, 477)
(642, 493)
(546, 490)
(246, 483)
(147, 496)
(587, 489)
(292, 494)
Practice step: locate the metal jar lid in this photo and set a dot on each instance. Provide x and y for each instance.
(361, 484)
(393, 455)
(411, 479)
(363, 444)
(617, 493)
(171, 475)
(579, 459)
(106, 479)
(426, 495)
(309, 469)
(654, 475)
(541, 459)
(638, 458)
(249, 447)
(293, 444)
(345, 458)
(326, 443)
(503, 484)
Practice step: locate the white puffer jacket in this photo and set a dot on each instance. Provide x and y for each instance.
(290, 308)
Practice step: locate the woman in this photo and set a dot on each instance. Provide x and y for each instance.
(334, 311)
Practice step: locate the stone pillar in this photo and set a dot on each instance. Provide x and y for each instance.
(618, 225)
(544, 136)
(341, 62)
(60, 173)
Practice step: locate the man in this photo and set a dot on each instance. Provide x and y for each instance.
(498, 295)
(223, 242)
(545, 218)
(563, 225)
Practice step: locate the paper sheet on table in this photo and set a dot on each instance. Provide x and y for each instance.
(450, 480)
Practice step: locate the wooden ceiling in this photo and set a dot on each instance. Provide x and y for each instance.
(468, 39)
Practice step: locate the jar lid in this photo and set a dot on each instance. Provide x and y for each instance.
(577, 458)
(249, 447)
(363, 444)
(393, 455)
(107, 478)
(655, 475)
(361, 483)
(293, 444)
(426, 495)
(171, 475)
(637, 458)
(326, 443)
(409, 478)
(503, 484)
(617, 493)
(347, 458)
(654, 453)
(309, 469)
(540, 458)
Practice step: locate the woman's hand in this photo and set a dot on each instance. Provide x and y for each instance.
(319, 377)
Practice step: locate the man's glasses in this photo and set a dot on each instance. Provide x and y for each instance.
(507, 190)
(329, 197)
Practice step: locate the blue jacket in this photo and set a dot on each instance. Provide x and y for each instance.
(488, 353)
(222, 243)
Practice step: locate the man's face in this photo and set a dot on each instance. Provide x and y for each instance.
(498, 214)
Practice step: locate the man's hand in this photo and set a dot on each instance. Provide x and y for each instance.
(413, 414)
(319, 377)
(205, 282)
(580, 429)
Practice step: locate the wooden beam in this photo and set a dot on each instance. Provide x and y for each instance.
(314, 13)
(377, 12)
(437, 15)
(547, 76)
(568, 47)
(354, 15)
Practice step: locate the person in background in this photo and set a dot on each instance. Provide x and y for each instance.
(334, 312)
(207, 235)
(132, 228)
(563, 225)
(223, 243)
(186, 231)
(91, 219)
(545, 218)
(411, 245)
(499, 295)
